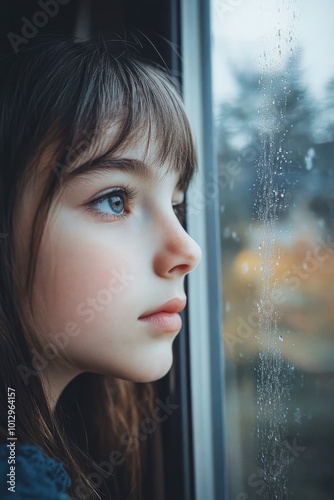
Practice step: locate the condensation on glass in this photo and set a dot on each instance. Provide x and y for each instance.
(273, 74)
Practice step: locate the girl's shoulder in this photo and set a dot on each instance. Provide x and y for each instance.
(27, 473)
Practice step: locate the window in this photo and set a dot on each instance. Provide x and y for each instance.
(272, 104)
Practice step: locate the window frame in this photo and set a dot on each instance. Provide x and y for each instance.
(205, 291)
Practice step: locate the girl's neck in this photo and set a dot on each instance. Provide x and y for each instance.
(55, 378)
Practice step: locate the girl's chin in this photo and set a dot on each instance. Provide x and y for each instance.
(148, 373)
(147, 368)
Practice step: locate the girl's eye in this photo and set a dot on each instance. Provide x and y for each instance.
(113, 204)
(116, 203)
(180, 211)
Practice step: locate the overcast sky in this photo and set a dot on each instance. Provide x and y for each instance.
(265, 33)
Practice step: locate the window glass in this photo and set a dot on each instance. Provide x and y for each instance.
(273, 77)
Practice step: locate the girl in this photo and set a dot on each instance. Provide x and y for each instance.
(96, 154)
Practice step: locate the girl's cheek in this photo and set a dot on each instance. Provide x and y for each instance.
(82, 282)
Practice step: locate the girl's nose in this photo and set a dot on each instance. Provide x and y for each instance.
(178, 254)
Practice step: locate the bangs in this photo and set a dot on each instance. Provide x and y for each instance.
(157, 107)
(138, 100)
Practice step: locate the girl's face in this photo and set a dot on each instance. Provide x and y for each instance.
(113, 252)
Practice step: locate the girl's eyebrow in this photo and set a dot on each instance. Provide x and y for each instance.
(108, 165)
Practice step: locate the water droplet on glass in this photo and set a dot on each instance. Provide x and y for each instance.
(245, 267)
(227, 232)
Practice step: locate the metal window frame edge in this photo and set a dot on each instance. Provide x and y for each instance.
(205, 311)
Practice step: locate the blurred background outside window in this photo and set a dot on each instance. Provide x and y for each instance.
(273, 77)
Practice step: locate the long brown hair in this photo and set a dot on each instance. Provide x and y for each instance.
(55, 93)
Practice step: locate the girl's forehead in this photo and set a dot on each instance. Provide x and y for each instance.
(141, 152)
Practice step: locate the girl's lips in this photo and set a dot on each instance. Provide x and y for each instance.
(166, 321)
(166, 316)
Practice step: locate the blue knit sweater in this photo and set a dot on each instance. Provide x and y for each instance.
(37, 477)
